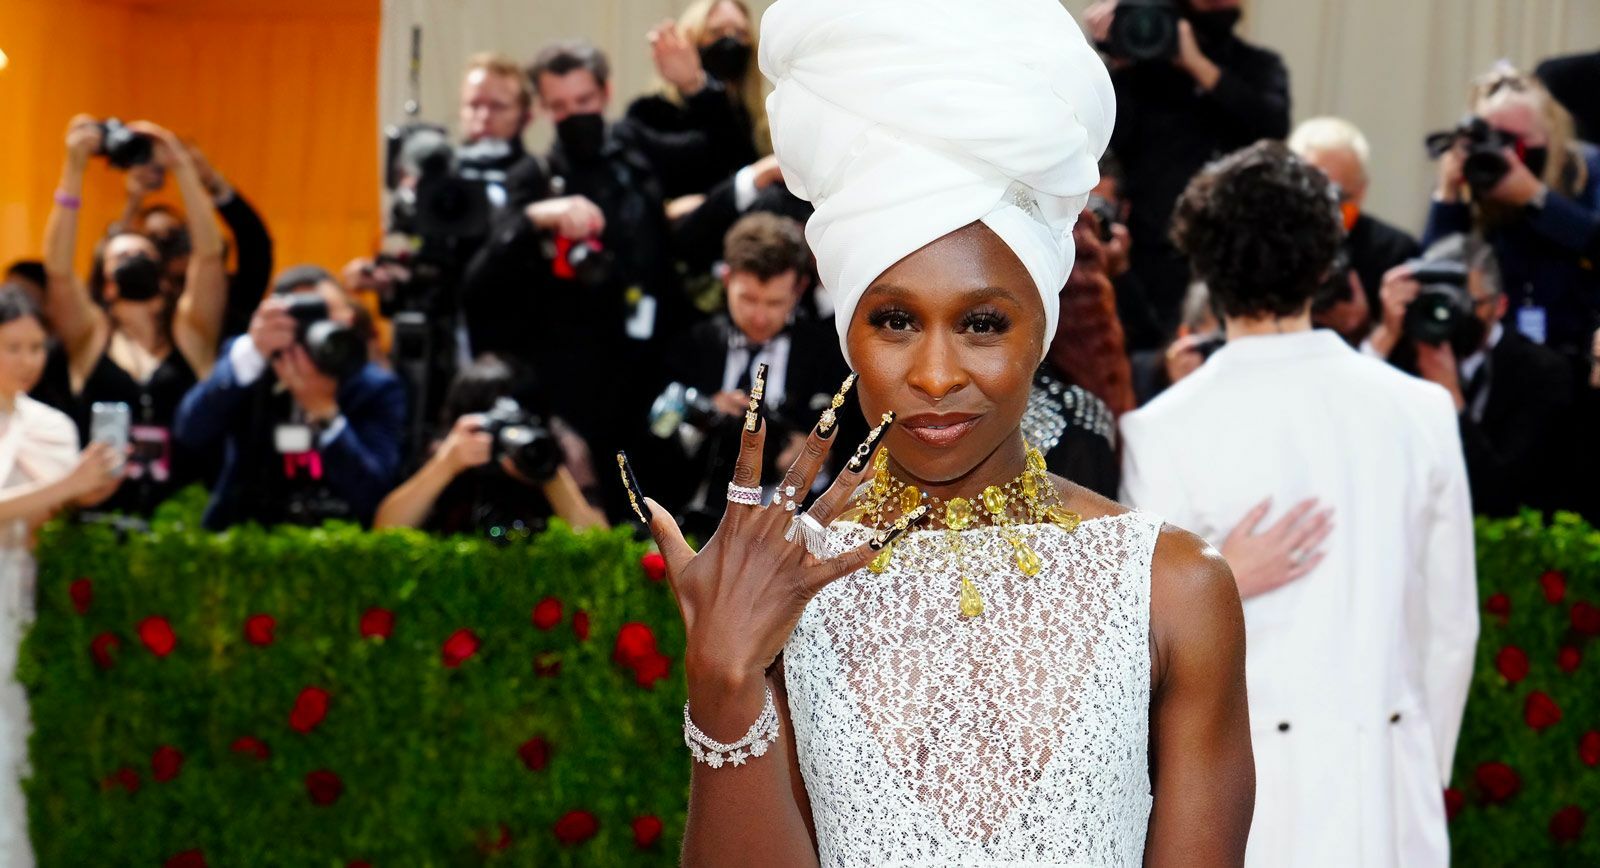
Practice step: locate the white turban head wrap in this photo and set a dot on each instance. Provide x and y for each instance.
(905, 120)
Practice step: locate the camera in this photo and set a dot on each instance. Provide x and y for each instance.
(522, 437)
(1486, 163)
(1144, 30)
(682, 405)
(587, 261)
(335, 348)
(442, 205)
(1442, 305)
(123, 148)
(1106, 213)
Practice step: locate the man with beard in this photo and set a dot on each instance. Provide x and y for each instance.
(1216, 94)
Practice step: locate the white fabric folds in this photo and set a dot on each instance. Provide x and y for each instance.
(904, 120)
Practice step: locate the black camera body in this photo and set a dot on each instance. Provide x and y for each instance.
(1442, 305)
(1486, 163)
(123, 148)
(1144, 30)
(442, 205)
(682, 405)
(522, 437)
(335, 348)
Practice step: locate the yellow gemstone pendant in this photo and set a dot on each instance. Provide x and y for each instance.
(958, 514)
(1027, 560)
(1035, 460)
(1064, 518)
(881, 562)
(910, 497)
(994, 500)
(1030, 486)
(971, 601)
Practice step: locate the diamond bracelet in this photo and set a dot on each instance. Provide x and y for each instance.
(763, 733)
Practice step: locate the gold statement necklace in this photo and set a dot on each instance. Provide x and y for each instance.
(1028, 499)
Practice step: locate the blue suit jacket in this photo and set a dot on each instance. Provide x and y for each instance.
(360, 465)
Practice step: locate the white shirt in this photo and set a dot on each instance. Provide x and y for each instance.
(775, 354)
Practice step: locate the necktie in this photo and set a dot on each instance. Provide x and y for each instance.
(748, 375)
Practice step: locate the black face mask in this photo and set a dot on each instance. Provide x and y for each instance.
(727, 59)
(1468, 337)
(1212, 28)
(582, 136)
(1536, 159)
(137, 278)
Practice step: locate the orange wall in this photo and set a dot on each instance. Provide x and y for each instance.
(281, 95)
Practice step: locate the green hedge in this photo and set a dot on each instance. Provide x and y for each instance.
(430, 759)
(441, 765)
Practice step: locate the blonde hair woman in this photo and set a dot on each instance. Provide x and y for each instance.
(711, 47)
(1541, 214)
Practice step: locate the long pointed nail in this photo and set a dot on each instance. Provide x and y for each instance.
(758, 393)
(899, 529)
(631, 484)
(864, 451)
(830, 416)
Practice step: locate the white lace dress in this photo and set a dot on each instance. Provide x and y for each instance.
(1015, 738)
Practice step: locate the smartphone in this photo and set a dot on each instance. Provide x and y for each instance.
(111, 423)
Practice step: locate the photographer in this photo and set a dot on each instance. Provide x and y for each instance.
(767, 271)
(1511, 394)
(498, 471)
(496, 108)
(1363, 630)
(312, 428)
(1188, 98)
(1515, 174)
(1341, 151)
(128, 336)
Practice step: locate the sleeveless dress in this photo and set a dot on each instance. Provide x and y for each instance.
(1016, 738)
(152, 404)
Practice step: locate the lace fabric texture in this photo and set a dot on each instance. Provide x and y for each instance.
(1015, 738)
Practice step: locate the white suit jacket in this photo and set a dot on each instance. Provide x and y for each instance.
(1358, 672)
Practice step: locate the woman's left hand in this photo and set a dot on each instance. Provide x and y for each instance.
(676, 59)
(1283, 553)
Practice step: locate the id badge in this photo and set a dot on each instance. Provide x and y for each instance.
(292, 439)
(1532, 323)
(642, 322)
(152, 452)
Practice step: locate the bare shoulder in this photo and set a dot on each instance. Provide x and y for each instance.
(1085, 502)
(1194, 601)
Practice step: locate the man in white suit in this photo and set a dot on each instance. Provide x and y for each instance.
(1357, 671)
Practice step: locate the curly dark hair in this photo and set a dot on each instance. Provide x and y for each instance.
(1261, 228)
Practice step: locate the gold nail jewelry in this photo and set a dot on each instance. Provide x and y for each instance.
(864, 451)
(830, 415)
(631, 485)
(758, 390)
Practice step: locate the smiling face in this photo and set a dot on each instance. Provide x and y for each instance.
(949, 338)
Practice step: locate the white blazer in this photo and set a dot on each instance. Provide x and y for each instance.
(1358, 672)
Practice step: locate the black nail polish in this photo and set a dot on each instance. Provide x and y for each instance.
(631, 484)
(900, 528)
(758, 393)
(864, 451)
(829, 423)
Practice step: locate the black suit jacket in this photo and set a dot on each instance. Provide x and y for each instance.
(1513, 454)
(1375, 247)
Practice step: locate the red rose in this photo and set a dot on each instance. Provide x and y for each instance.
(1586, 618)
(1498, 781)
(652, 669)
(1541, 712)
(1567, 824)
(1554, 583)
(580, 625)
(547, 665)
(1498, 604)
(575, 827)
(165, 763)
(459, 648)
(258, 629)
(1512, 662)
(124, 777)
(187, 859)
(499, 845)
(82, 591)
(1568, 659)
(646, 831)
(324, 787)
(1589, 748)
(547, 614)
(101, 647)
(634, 643)
(1454, 801)
(655, 566)
(535, 753)
(377, 622)
(156, 634)
(251, 746)
(310, 707)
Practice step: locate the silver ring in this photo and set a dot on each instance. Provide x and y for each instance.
(808, 532)
(744, 495)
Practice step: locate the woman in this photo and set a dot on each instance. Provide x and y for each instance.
(717, 38)
(1030, 674)
(1541, 216)
(40, 471)
(459, 491)
(128, 335)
